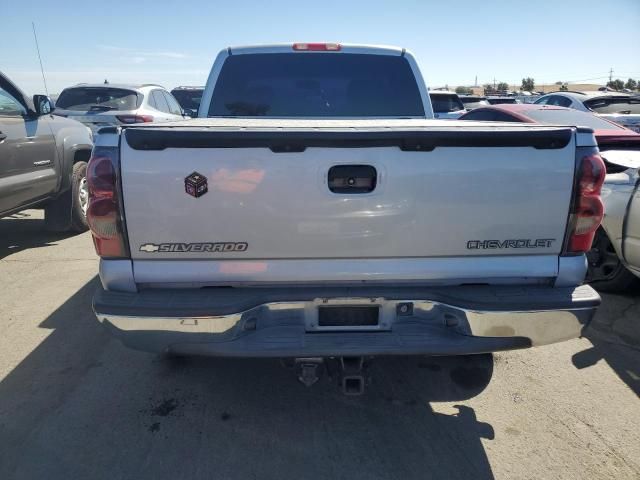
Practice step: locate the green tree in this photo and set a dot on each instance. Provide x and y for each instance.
(563, 87)
(616, 84)
(528, 85)
(631, 84)
(558, 82)
(488, 89)
(464, 91)
(503, 87)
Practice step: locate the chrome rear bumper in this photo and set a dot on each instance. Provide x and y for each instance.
(254, 323)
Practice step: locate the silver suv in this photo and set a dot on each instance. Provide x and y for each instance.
(100, 105)
(618, 107)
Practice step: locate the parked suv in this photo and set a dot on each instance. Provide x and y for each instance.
(101, 105)
(43, 160)
(189, 99)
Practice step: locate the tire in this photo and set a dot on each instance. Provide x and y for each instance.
(606, 273)
(79, 197)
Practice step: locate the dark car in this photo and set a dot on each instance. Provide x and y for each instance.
(614, 259)
(189, 99)
(502, 100)
(446, 105)
(43, 160)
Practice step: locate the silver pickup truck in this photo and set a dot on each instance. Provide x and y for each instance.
(316, 210)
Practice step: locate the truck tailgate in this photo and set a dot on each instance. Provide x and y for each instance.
(489, 201)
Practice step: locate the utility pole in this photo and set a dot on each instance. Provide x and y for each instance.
(494, 84)
(611, 75)
(476, 83)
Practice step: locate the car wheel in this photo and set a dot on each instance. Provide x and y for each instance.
(79, 198)
(606, 272)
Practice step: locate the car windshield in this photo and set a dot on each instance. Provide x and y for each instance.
(571, 117)
(624, 105)
(316, 85)
(189, 99)
(98, 98)
(446, 102)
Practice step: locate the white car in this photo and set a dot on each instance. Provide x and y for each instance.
(614, 258)
(622, 108)
(446, 105)
(102, 105)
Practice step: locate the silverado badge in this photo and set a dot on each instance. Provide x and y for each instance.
(220, 247)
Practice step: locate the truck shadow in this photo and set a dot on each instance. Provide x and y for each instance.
(24, 230)
(615, 337)
(80, 405)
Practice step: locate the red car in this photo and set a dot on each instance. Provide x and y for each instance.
(607, 133)
(620, 148)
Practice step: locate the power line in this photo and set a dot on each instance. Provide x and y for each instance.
(596, 76)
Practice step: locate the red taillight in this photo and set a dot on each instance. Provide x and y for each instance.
(318, 47)
(101, 176)
(592, 173)
(135, 118)
(588, 209)
(103, 213)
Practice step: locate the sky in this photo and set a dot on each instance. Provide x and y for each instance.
(175, 43)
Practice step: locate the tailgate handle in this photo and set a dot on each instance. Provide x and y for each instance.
(352, 179)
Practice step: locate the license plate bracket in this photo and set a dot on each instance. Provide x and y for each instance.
(345, 316)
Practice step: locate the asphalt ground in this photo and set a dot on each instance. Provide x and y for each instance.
(76, 404)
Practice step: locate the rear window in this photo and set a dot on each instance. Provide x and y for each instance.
(571, 117)
(188, 99)
(624, 105)
(316, 85)
(446, 103)
(98, 98)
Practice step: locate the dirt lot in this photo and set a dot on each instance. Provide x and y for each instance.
(75, 404)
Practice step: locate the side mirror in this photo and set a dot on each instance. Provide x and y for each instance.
(189, 113)
(43, 105)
